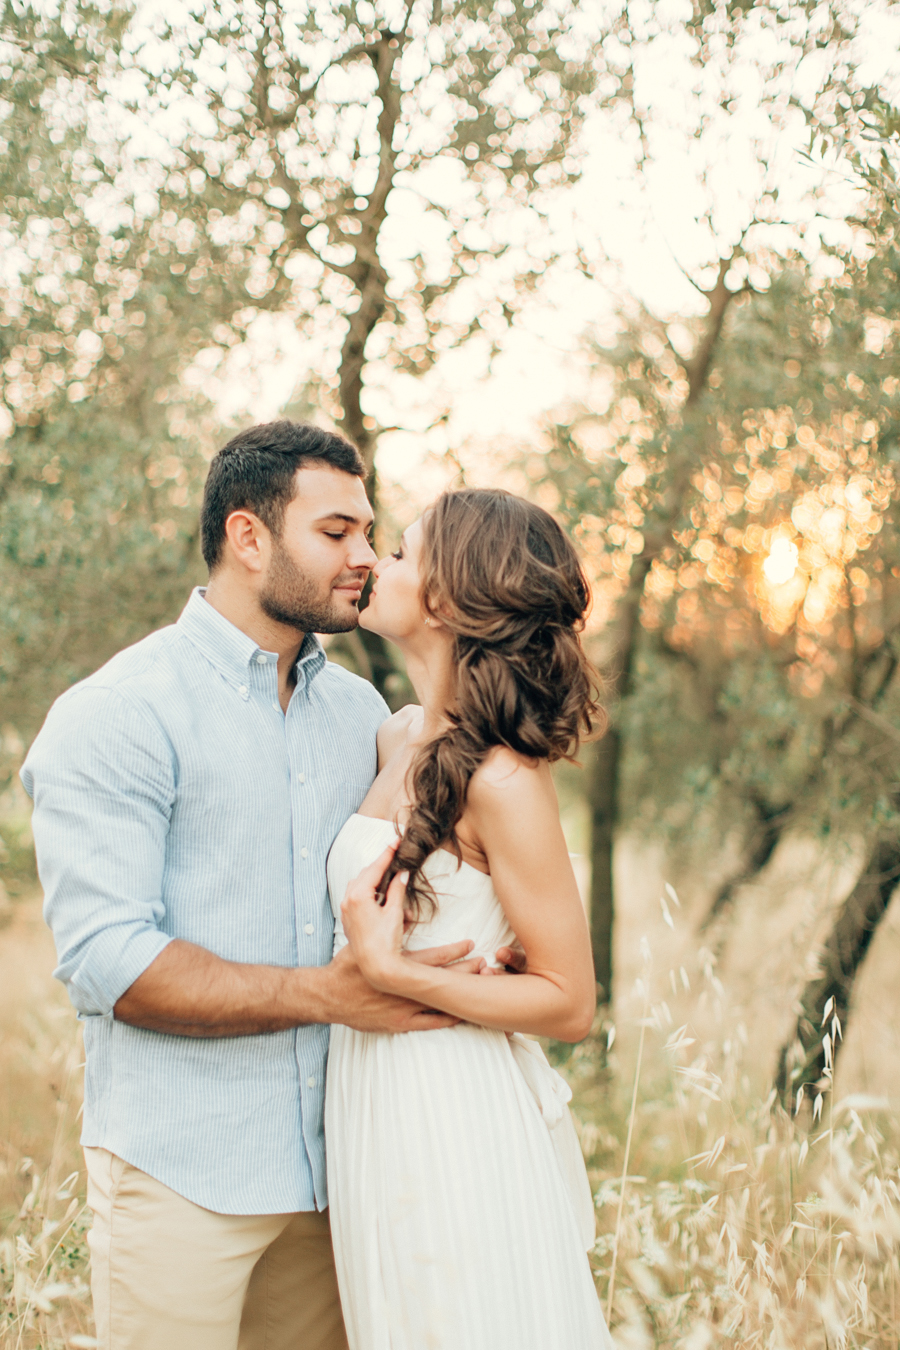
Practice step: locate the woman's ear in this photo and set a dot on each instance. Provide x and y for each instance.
(433, 621)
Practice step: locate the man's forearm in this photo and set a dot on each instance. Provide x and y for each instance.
(188, 991)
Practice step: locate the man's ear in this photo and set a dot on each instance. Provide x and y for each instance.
(248, 540)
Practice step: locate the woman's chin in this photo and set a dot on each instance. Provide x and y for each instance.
(368, 620)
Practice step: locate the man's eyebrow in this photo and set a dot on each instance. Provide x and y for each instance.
(351, 520)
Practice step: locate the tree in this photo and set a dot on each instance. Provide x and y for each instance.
(681, 393)
(258, 172)
(309, 133)
(100, 466)
(658, 430)
(764, 639)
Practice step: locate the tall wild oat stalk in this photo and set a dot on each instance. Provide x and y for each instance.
(645, 983)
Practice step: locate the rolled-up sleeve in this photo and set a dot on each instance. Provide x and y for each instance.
(102, 776)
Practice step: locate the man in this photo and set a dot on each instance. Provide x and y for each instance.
(186, 796)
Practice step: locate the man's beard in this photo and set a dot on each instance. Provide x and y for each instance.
(291, 598)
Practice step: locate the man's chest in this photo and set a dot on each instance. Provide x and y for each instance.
(242, 766)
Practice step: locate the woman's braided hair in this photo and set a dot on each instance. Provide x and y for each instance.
(501, 575)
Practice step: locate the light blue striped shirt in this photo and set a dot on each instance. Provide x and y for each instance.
(174, 798)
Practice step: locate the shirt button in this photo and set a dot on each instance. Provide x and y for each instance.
(304, 853)
(310, 1082)
(310, 928)
(301, 777)
(242, 689)
(261, 660)
(276, 705)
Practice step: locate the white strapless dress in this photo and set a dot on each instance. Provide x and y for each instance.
(460, 1207)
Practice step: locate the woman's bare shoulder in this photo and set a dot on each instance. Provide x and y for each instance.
(397, 730)
(506, 774)
(511, 807)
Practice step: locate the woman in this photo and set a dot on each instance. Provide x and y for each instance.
(459, 1204)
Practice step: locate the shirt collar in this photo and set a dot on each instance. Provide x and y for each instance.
(231, 651)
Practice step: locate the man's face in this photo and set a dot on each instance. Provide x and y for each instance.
(318, 567)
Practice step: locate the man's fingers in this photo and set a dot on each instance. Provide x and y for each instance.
(432, 1021)
(512, 957)
(442, 956)
(474, 965)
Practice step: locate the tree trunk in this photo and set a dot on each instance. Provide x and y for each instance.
(604, 776)
(802, 1060)
(603, 779)
(764, 840)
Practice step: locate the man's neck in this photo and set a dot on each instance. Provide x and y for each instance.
(245, 613)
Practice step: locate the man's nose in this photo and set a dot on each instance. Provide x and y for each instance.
(362, 555)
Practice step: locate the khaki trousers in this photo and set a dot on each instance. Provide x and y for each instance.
(169, 1275)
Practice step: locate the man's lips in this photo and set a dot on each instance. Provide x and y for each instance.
(352, 588)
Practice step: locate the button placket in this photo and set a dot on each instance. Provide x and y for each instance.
(303, 823)
(264, 677)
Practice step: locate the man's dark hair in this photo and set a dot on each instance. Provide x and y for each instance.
(255, 472)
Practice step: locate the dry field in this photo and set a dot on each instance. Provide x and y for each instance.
(43, 1256)
(736, 1225)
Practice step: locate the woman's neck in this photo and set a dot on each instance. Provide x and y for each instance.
(431, 676)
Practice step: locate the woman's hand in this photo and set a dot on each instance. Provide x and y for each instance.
(375, 931)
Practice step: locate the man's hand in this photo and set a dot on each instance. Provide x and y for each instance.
(512, 959)
(356, 1004)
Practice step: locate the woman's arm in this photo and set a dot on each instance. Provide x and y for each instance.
(513, 816)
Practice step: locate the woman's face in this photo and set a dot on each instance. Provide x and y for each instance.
(394, 609)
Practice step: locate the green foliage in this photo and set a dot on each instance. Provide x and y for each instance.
(311, 134)
(750, 698)
(101, 466)
(161, 188)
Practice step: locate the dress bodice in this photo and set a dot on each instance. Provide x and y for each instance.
(467, 904)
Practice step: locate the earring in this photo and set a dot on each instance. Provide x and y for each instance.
(427, 621)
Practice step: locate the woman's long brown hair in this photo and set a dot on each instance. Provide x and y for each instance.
(501, 575)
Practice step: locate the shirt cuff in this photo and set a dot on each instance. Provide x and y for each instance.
(108, 965)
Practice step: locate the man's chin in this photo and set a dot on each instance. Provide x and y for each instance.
(342, 621)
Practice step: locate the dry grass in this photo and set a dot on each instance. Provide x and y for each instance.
(735, 1223)
(43, 1254)
(738, 1224)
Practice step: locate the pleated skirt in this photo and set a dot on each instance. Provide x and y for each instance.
(452, 1225)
